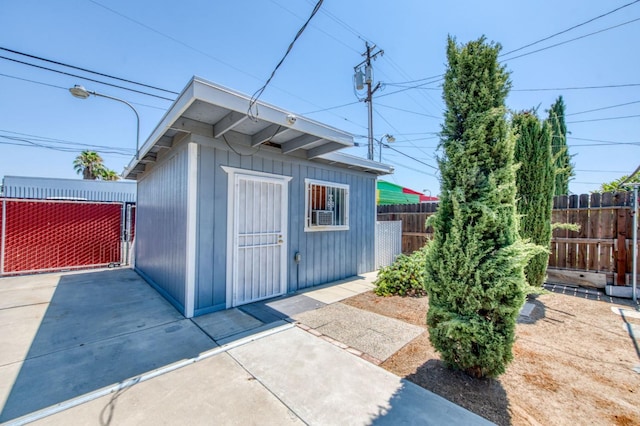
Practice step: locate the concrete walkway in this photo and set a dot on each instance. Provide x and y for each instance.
(104, 348)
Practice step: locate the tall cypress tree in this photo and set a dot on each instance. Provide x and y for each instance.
(559, 148)
(475, 263)
(535, 180)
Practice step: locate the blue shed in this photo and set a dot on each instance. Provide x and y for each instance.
(234, 209)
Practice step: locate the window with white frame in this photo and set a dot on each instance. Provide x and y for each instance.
(326, 206)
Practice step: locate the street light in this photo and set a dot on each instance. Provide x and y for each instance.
(390, 139)
(80, 92)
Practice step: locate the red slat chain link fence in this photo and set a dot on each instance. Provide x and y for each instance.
(45, 235)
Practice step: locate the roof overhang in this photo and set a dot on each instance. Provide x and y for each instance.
(357, 163)
(213, 111)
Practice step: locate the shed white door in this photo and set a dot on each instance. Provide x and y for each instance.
(259, 238)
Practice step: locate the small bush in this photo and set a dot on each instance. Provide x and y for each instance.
(405, 277)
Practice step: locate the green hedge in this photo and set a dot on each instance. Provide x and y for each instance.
(405, 277)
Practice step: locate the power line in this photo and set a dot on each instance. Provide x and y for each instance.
(315, 26)
(418, 133)
(587, 183)
(400, 152)
(339, 116)
(600, 109)
(409, 156)
(188, 46)
(405, 140)
(343, 24)
(414, 147)
(602, 144)
(424, 95)
(66, 89)
(409, 111)
(201, 52)
(440, 77)
(598, 171)
(608, 86)
(394, 163)
(407, 88)
(571, 28)
(33, 81)
(34, 144)
(330, 108)
(256, 95)
(88, 70)
(437, 77)
(85, 78)
(48, 139)
(536, 42)
(366, 39)
(570, 40)
(604, 119)
(26, 137)
(599, 140)
(31, 144)
(415, 86)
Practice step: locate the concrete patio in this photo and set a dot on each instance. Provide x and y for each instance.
(103, 347)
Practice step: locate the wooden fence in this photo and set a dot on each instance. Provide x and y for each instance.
(602, 246)
(599, 253)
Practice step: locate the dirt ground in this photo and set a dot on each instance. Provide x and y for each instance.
(574, 363)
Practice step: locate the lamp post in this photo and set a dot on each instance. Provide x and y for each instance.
(390, 139)
(80, 92)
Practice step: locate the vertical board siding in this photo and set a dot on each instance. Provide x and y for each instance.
(326, 256)
(332, 255)
(209, 195)
(162, 226)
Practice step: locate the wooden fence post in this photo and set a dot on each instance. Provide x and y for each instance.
(621, 233)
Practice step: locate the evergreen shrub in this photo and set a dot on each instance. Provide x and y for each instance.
(475, 263)
(405, 277)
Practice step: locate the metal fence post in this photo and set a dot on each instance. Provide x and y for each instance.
(2, 238)
(634, 275)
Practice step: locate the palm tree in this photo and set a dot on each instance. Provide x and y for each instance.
(108, 174)
(89, 165)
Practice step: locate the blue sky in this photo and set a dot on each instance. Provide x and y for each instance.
(237, 44)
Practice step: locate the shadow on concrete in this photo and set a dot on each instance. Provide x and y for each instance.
(233, 324)
(281, 308)
(484, 397)
(99, 329)
(406, 406)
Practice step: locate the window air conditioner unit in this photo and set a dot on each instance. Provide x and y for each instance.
(322, 218)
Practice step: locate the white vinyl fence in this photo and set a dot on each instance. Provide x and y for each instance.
(388, 242)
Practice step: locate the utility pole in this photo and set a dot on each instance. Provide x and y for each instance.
(367, 78)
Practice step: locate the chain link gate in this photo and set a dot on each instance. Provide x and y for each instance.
(48, 235)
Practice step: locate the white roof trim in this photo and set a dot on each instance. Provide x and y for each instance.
(352, 160)
(218, 97)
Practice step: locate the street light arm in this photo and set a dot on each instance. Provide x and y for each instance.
(80, 92)
(132, 109)
(389, 138)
